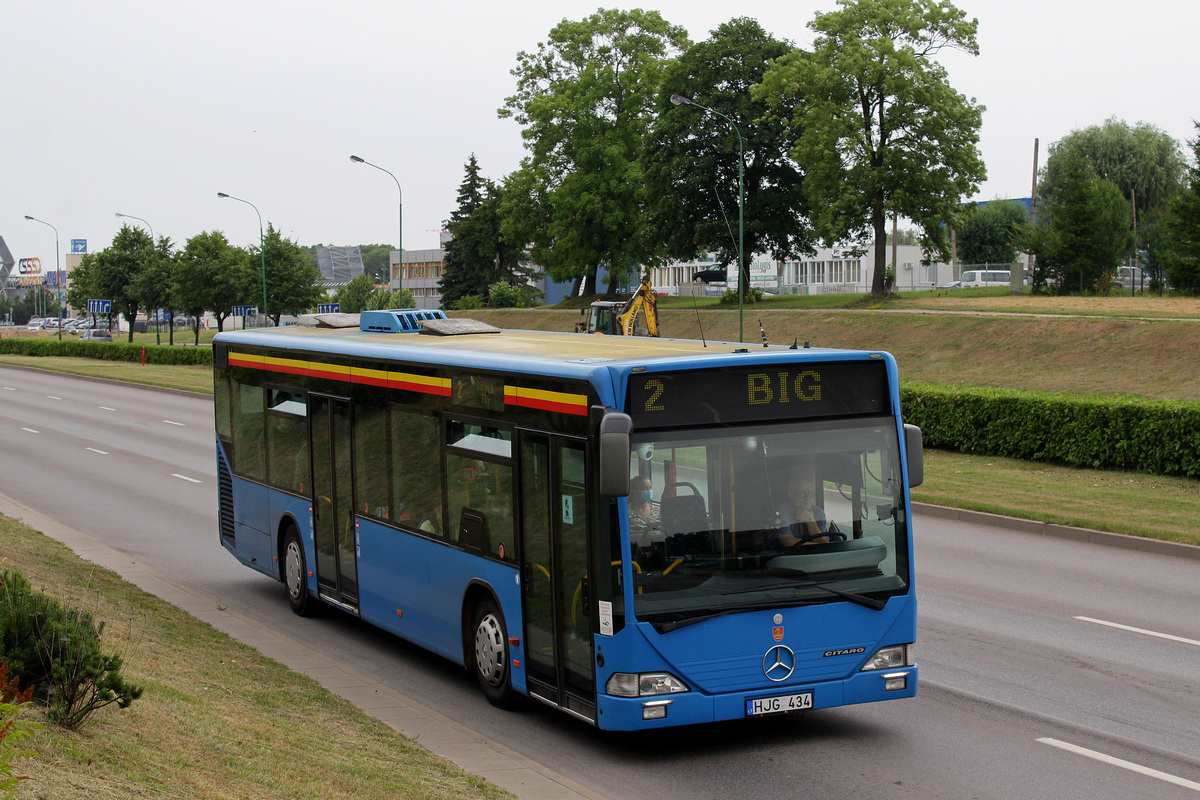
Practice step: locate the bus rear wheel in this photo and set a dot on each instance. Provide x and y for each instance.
(491, 655)
(295, 575)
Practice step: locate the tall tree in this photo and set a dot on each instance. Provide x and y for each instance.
(1143, 161)
(154, 284)
(880, 131)
(354, 296)
(988, 233)
(292, 281)
(1083, 233)
(115, 271)
(1182, 230)
(210, 275)
(692, 157)
(585, 100)
(469, 256)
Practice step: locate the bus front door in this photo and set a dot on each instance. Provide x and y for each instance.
(558, 621)
(333, 517)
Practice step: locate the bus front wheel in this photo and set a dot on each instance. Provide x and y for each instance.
(295, 575)
(491, 655)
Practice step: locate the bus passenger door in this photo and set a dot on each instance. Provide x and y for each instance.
(558, 621)
(333, 501)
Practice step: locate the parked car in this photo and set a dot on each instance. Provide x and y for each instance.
(96, 335)
(985, 277)
(1130, 278)
(36, 324)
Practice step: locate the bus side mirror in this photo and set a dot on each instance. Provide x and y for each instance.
(916, 455)
(615, 428)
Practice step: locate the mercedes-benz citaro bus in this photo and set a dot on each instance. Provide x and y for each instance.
(468, 489)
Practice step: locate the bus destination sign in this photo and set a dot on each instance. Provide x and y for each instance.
(763, 392)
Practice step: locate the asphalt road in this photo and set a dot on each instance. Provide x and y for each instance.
(1050, 668)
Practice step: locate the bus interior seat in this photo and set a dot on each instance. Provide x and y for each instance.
(473, 531)
(682, 513)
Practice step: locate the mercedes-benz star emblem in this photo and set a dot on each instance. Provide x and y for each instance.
(779, 663)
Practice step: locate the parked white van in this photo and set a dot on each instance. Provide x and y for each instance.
(985, 277)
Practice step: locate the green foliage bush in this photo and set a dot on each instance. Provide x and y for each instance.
(107, 351)
(1158, 437)
(468, 302)
(56, 649)
(505, 295)
(752, 295)
(12, 730)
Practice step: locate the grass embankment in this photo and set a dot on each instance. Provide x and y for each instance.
(217, 720)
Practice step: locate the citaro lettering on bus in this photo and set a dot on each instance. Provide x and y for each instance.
(764, 389)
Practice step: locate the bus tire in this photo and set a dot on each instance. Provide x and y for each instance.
(295, 575)
(490, 654)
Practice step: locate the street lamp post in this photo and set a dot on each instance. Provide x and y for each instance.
(157, 330)
(262, 248)
(57, 277)
(680, 100)
(400, 233)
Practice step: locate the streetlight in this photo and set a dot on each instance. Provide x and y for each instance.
(57, 280)
(262, 248)
(680, 100)
(157, 327)
(400, 233)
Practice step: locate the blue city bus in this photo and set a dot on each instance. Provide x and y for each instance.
(469, 489)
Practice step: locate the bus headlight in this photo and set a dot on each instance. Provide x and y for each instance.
(897, 655)
(645, 684)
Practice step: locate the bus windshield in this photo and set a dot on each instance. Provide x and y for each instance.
(759, 516)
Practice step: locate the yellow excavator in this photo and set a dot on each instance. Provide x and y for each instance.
(637, 316)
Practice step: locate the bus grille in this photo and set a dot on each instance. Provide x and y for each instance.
(225, 490)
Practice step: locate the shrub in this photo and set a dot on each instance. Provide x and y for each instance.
(12, 730)
(56, 649)
(752, 295)
(505, 295)
(107, 351)
(1159, 437)
(468, 302)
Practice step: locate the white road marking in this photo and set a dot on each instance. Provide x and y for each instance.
(185, 478)
(1140, 630)
(106, 408)
(52, 397)
(9, 389)
(101, 452)
(170, 422)
(1118, 762)
(31, 430)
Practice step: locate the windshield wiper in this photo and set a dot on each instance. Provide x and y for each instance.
(862, 600)
(675, 624)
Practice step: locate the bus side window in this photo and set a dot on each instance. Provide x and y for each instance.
(416, 472)
(249, 433)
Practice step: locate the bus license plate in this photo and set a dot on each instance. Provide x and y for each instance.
(777, 705)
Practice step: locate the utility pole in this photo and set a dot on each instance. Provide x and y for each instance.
(1032, 207)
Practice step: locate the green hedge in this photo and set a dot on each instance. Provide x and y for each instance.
(1159, 437)
(107, 351)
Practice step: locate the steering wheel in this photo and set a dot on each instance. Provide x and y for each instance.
(832, 536)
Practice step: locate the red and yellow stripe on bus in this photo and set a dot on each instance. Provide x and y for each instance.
(541, 399)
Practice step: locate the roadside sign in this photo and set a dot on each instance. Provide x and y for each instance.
(329, 308)
(243, 311)
(99, 306)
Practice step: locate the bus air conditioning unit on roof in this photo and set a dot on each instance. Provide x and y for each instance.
(397, 320)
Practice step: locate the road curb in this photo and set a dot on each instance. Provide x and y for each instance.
(1121, 541)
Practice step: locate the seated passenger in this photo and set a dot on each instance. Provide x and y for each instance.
(643, 514)
(801, 519)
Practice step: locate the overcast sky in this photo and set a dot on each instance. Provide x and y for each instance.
(151, 108)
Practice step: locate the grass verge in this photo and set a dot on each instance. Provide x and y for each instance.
(218, 720)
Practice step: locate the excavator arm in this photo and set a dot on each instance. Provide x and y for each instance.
(643, 304)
